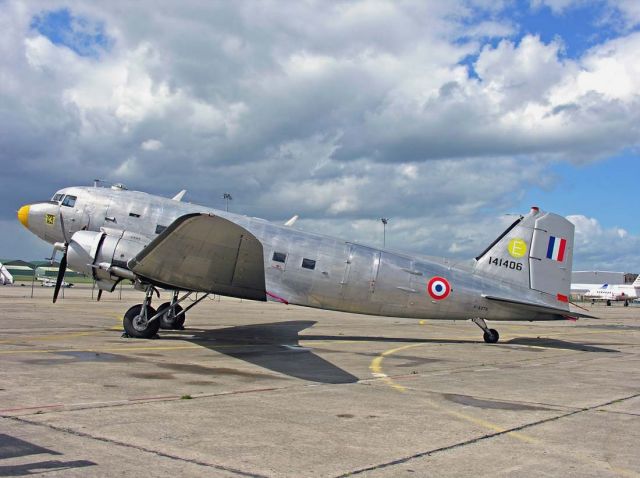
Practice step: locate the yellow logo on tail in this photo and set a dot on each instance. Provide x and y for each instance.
(517, 248)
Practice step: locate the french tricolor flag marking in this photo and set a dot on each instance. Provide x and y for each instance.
(556, 248)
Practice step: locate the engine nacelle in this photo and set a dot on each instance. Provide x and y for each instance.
(103, 255)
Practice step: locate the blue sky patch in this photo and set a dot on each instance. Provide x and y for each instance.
(84, 36)
(578, 27)
(615, 179)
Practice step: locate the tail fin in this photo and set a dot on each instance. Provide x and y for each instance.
(535, 252)
(636, 283)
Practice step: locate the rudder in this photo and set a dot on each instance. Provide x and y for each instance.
(535, 252)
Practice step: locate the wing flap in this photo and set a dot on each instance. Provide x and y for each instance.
(541, 308)
(203, 252)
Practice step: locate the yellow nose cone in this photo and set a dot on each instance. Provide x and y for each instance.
(23, 216)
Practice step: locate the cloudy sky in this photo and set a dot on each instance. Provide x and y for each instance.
(443, 116)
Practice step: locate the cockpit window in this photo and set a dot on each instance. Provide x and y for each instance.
(57, 197)
(69, 201)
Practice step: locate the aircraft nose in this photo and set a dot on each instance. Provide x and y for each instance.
(23, 215)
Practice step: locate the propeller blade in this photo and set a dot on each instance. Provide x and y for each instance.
(64, 231)
(99, 294)
(59, 279)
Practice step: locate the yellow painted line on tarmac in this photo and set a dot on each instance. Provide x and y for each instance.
(99, 350)
(45, 338)
(377, 371)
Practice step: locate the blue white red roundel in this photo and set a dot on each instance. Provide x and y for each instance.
(438, 288)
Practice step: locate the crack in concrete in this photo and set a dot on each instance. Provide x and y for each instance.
(422, 454)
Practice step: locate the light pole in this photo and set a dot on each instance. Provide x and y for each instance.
(227, 197)
(384, 221)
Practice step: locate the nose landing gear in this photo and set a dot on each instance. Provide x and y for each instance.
(491, 336)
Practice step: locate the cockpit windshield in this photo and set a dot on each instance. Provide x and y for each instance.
(57, 197)
(69, 201)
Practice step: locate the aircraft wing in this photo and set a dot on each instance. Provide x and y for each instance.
(206, 253)
(541, 308)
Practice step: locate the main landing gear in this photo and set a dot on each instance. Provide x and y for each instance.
(172, 318)
(137, 320)
(143, 322)
(491, 336)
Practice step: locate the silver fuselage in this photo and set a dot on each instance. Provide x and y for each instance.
(347, 276)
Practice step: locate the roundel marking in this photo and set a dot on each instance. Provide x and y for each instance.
(517, 248)
(439, 288)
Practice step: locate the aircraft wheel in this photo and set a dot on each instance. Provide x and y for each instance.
(609, 303)
(168, 321)
(137, 327)
(626, 303)
(492, 337)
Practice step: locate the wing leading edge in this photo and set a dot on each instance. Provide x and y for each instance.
(203, 252)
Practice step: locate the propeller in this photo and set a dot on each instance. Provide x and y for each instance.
(63, 262)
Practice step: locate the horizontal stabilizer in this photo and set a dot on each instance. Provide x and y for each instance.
(542, 308)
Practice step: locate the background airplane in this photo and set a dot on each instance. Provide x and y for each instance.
(5, 276)
(113, 234)
(615, 292)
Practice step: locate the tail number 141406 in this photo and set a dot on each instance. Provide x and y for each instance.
(507, 264)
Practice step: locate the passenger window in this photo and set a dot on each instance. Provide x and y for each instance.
(133, 214)
(279, 257)
(308, 264)
(69, 201)
(160, 229)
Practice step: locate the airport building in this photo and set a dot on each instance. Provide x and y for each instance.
(602, 277)
(20, 270)
(24, 271)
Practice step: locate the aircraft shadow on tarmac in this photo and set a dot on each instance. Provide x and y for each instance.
(276, 346)
(13, 447)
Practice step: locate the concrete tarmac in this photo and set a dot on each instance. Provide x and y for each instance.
(255, 389)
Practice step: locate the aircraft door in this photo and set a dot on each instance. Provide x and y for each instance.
(360, 274)
(393, 284)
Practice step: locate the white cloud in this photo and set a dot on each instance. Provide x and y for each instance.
(315, 112)
(599, 248)
(151, 145)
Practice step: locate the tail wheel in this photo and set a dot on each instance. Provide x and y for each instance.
(135, 325)
(492, 336)
(168, 319)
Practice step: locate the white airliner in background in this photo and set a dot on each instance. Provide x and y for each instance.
(611, 292)
(5, 276)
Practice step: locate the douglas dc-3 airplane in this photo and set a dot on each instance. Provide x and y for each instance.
(113, 234)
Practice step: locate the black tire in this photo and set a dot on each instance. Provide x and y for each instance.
(165, 322)
(492, 337)
(626, 303)
(169, 322)
(134, 328)
(609, 303)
